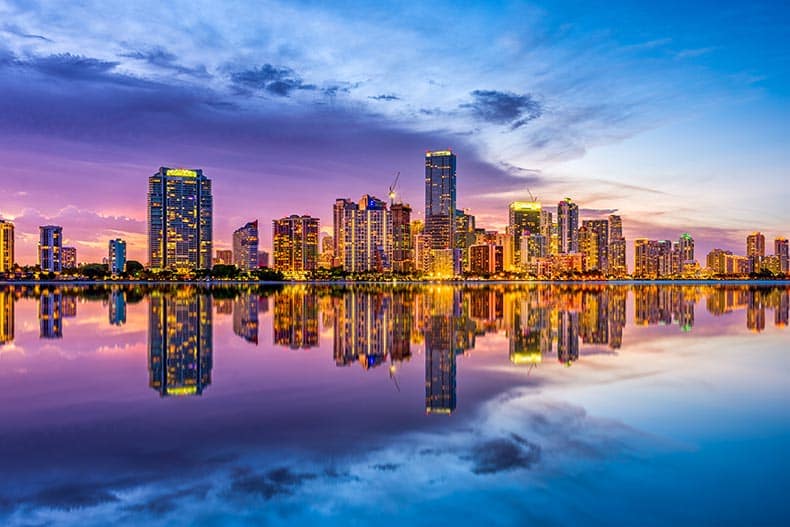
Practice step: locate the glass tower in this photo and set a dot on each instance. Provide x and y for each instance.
(440, 198)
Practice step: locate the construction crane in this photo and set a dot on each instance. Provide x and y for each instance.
(392, 188)
(532, 198)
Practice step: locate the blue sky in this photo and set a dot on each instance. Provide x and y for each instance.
(674, 115)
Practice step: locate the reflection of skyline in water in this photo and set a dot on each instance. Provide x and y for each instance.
(372, 326)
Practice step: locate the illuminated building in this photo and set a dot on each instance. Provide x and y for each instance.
(716, 261)
(245, 247)
(341, 208)
(117, 307)
(568, 226)
(180, 342)
(594, 245)
(245, 317)
(440, 199)
(117, 256)
(6, 246)
(464, 235)
(295, 240)
(402, 249)
(50, 315)
(368, 236)
(617, 258)
(180, 219)
(533, 247)
(485, 259)
(524, 217)
(686, 260)
(6, 315)
(50, 245)
(505, 240)
(652, 258)
(295, 320)
(737, 265)
(445, 263)
(755, 251)
(68, 257)
(263, 259)
(223, 257)
(781, 251)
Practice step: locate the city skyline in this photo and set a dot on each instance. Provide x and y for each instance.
(682, 111)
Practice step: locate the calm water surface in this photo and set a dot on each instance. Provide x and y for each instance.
(420, 405)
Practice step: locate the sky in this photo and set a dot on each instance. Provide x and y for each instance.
(674, 116)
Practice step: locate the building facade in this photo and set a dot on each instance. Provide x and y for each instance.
(295, 241)
(50, 245)
(594, 245)
(440, 199)
(180, 219)
(117, 256)
(568, 226)
(69, 257)
(245, 246)
(402, 249)
(524, 217)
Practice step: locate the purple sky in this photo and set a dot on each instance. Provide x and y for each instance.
(286, 107)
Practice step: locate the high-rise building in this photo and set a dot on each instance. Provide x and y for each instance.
(533, 247)
(179, 342)
(568, 226)
(716, 261)
(781, 251)
(68, 257)
(617, 258)
(402, 249)
(180, 219)
(6, 246)
(117, 256)
(755, 250)
(368, 236)
(245, 246)
(464, 235)
(652, 258)
(524, 217)
(485, 259)
(50, 245)
(594, 245)
(295, 241)
(263, 259)
(341, 208)
(686, 252)
(440, 199)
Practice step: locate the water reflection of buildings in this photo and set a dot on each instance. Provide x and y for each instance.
(179, 342)
(6, 316)
(295, 321)
(117, 307)
(441, 327)
(654, 304)
(245, 317)
(50, 315)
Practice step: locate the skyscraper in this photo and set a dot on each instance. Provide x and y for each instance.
(440, 199)
(652, 258)
(595, 245)
(117, 256)
(524, 217)
(402, 250)
(781, 251)
(340, 209)
(295, 241)
(368, 236)
(180, 219)
(6, 246)
(245, 246)
(568, 226)
(49, 248)
(755, 251)
(617, 258)
(686, 250)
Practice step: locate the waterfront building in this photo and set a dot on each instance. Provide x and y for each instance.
(180, 219)
(524, 218)
(6, 246)
(568, 226)
(367, 228)
(68, 256)
(402, 249)
(686, 253)
(464, 235)
(295, 240)
(533, 247)
(263, 259)
(652, 258)
(245, 246)
(117, 256)
(440, 200)
(50, 248)
(485, 259)
(716, 262)
(594, 245)
(755, 250)
(781, 252)
(341, 209)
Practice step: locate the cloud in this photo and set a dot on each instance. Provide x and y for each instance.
(275, 482)
(17, 31)
(161, 58)
(385, 97)
(276, 80)
(72, 496)
(68, 66)
(504, 107)
(500, 454)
